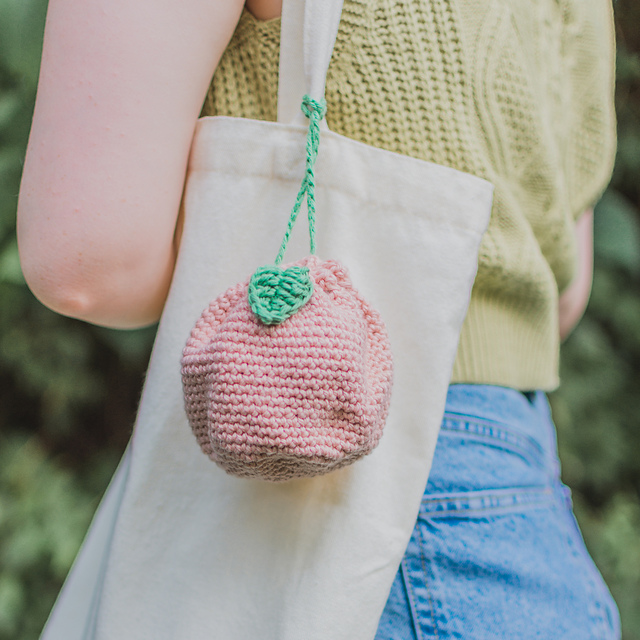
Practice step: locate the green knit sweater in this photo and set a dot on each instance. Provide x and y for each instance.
(519, 92)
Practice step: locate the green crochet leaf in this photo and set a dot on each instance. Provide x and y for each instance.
(275, 294)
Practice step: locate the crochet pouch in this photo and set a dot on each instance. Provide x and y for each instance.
(289, 374)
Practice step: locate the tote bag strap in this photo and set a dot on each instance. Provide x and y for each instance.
(307, 37)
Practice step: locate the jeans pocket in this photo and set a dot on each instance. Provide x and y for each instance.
(475, 455)
(497, 572)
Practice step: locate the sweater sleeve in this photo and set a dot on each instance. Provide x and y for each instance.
(589, 46)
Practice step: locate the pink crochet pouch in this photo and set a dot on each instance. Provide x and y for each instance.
(289, 374)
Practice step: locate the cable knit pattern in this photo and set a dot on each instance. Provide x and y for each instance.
(300, 398)
(519, 92)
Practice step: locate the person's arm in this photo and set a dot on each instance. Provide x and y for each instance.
(575, 297)
(121, 86)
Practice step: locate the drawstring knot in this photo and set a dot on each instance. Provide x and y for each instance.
(314, 108)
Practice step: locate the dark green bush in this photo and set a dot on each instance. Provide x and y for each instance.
(68, 391)
(597, 408)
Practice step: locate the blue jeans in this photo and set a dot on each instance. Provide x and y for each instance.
(496, 552)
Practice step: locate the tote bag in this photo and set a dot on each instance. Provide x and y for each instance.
(180, 550)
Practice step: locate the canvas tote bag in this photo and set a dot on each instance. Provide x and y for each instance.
(179, 549)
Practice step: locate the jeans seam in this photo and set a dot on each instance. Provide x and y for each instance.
(603, 630)
(415, 618)
(423, 545)
(600, 596)
(528, 499)
(482, 512)
(570, 532)
(499, 493)
(522, 444)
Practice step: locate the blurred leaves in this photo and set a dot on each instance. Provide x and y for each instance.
(43, 515)
(597, 408)
(617, 232)
(68, 391)
(21, 27)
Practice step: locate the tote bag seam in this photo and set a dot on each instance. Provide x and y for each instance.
(420, 215)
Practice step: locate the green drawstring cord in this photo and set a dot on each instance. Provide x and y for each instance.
(275, 294)
(315, 111)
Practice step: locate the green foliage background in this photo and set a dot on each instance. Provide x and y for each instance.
(68, 391)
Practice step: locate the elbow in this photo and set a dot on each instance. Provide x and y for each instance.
(92, 295)
(54, 277)
(82, 270)
(63, 300)
(58, 287)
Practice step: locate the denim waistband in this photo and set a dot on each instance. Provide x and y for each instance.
(495, 443)
(520, 419)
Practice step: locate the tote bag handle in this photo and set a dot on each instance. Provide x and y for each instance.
(307, 37)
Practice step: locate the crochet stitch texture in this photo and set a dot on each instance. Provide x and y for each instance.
(299, 398)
